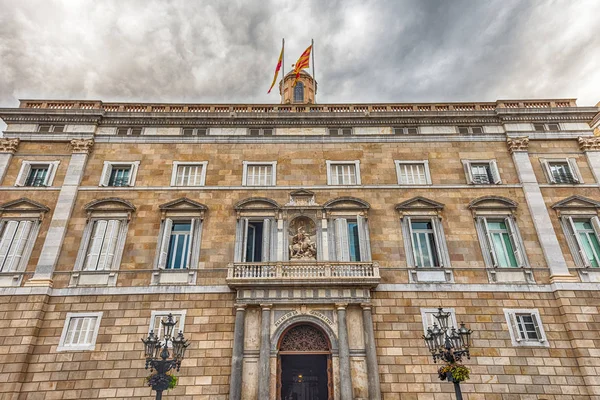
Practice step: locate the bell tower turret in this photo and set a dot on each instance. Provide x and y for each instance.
(303, 93)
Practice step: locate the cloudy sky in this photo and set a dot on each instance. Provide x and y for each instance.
(365, 51)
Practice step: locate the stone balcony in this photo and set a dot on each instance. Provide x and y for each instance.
(296, 273)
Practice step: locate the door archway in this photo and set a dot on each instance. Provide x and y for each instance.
(304, 366)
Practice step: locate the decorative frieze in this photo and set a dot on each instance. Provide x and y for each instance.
(517, 144)
(589, 143)
(82, 146)
(9, 145)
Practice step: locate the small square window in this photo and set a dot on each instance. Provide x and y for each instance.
(562, 171)
(119, 174)
(428, 319)
(158, 316)
(188, 174)
(51, 128)
(129, 131)
(343, 172)
(525, 327)
(413, 172)
(340, 131)
(406, 130)
(36, 174)
(80, 332)
(482, 172)
(546, 127)
(260, 131)
(195, 131)
(470, 129)
(259, 173)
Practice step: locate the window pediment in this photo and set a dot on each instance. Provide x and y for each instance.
(111, 205)
(183, 207)
(346, 203)
(23, 206)
(419, 205)
(496, 204)
(577, 204)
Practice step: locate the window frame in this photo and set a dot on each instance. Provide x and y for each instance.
(470, 130)
(27, 248)
(546, 126)
(511, 321)
(427, 315)
(272, 164)
(107, 170)
(487, 246)
(27, 165)
(195, 131)
(331, 163)
(129, 130)
(572, 165)
(567, 221)
(261, 131)
(52, 128)
(405, 130)
(80, 347)
(340, 131)
(440, 246)
(177, 164)
(425, 164)
(178, 315)
(494, 171)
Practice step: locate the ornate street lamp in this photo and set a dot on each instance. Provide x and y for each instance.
(449, 345)
(160, 359)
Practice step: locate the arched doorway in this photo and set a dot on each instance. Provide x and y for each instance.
(304, 370)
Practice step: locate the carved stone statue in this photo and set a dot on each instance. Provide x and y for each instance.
(301, 246)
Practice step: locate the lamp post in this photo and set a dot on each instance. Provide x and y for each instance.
(162, 358)
(448, 344)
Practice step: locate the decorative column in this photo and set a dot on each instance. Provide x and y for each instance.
(559, 272)
(370, 349)
(344, 354)
(237, 358)
(8, 147)
(62, 213)
(590, 145)
(264, 370)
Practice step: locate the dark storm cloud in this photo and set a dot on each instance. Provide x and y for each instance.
(366, 51)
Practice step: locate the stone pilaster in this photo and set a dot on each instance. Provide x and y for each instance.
(62, 213)
(553, 255)
(590, 145)
(237, 358)
(8, 147)
(264, 370)
(371, 352)
(344, 354)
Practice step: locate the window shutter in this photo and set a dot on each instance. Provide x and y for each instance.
(19, 244)
(548, 171)
(490, 244)
(188, 260)
(514, 239)
(538, 331)
(8, 235)
(574, 170)
(438, 240)
(239, 240)
(495, 172)
(95, 246)
(50, 174)
(363, 238)
(516, 327)
(244, 239)
(596, 225)
(412, 241)
(341, 239)
(164, 243)
(107, 252)
(105, 174)
(266, 240)
(23, 174)
(408, 241)
(468, 172)
(580, 250)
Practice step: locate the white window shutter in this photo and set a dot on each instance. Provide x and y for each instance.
(188, 260)
(596, 226)
(341, 239)
(239, 240)
(93, 254)
(8, 235)
(427, 172)
(164, 243)
(580, 249)
(408, 241)
(244, 238)
(548, 171)
(412, 241)
(438, 240)
(514, 238)
(107, 251)
(490, 243)
(574, 170)
(23, 174)
(266, 240)
(106, 170)
(133, 173)
(495, 172)
(19, 244)
(538, 331)
(363, 238)
(515, 327)
(468, 172)
(52, 167)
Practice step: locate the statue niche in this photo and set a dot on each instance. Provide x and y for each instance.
(302, 233)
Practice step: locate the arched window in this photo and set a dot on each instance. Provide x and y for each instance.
(299, 93)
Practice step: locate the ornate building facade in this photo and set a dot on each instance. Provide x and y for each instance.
(302, 247)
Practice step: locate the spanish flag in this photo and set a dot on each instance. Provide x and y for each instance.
(277, 68)
(302, 63)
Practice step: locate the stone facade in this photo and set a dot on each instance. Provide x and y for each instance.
(368, 304)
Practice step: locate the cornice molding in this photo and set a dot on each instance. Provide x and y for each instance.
(590, 143)
(9, 145)
(517, 144)
(82, 146)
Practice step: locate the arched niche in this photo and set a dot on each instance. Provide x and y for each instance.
(300, 320)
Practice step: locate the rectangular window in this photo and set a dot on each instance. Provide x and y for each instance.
(525, 327)
(482, 172)
(343, 172)
(179, 245)
(546, 127)
(14, 239)
(353, 241)
(80, 331)
(51, 128)
(119, 174)
(102, 246)
(259, 174)
(424, 244)
(585, 235)
(260, 131)
(340, 131)
(158, 328)
(563, 171)
(413, 172)
(188, 174)
(36, 173)
(129, 131)
(470, 129)
(37, 176)
(428, 319)
(406, 130)
(350, 240)
(254, 240)
(501, 243)
(195, 131)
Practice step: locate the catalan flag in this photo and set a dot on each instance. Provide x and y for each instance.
(302, 63)
(277, 68)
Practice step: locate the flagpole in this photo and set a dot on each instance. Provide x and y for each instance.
(282, 66)
(312, 43)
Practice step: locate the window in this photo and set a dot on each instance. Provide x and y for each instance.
(340, 131)
(546, 127)
(80, 332)
(563, 171)
(16, 240)
(103, 244)
(188, 174)
(259, 173)
(129, 131)
(37, 173)
(502, 241)
(119, 174)
(189, 131)
(260, 131)
(343, 172)
(425, 244)
(254, 240)
(482, 172)
(470, 129)
(525, 327)
(413, 172)
(258, 237)
(299, 93)
(51, 128)
(176, 247)
(428, 319)
(351, 239)
(584, 239)
(158, 316)
(406, 130)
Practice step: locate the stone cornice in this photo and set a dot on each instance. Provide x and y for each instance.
(517, 144)
(8, 145)
(590, 143)
(82, 146)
